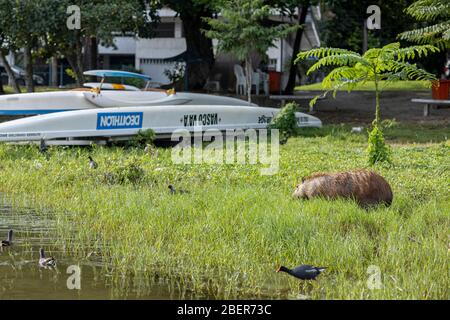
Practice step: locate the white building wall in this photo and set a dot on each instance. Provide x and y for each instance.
(124, 46)
(149, 53)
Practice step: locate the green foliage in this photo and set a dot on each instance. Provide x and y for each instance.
(377, 149)
(241, 31)
(42, 25)
(378, 64)
(342, 23)
(401, 85)
(286, 122)
(430, 11)
(176, 73)
(70, 73)
(388, 64)
(143, 138)
(124, 172)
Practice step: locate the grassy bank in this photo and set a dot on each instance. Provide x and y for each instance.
(370, 86)
(227, 236)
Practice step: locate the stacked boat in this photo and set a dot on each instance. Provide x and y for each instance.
(107, 112)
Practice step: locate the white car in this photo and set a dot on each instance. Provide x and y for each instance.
(20, 75)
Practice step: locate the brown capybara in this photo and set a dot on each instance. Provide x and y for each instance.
(366, 187)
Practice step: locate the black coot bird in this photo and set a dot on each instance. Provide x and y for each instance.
(8, 241)
(303, 272)
(44, 261)
(43, 146)
(173, 191)
(92, 163)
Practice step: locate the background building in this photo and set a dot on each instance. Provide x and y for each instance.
(154, 56)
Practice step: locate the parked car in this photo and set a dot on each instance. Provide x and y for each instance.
(20, 75)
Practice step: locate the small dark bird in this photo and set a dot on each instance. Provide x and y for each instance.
(43, 146)
(173, 191)
(92, 163)
(46, 262)
(303, 272)
(8, 241)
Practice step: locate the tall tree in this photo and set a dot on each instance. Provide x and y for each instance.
(23, 22)
(343, 22)
(302, 13)
(388, 64)
(4, 50)
(199, 48)
(101, 21)
(241, 32)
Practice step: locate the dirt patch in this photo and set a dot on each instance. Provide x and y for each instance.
(359, 107)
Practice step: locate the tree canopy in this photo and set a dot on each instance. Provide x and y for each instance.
(389, 64)
(436, 14)
(241, 31)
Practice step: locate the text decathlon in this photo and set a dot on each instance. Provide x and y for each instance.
(119, 120)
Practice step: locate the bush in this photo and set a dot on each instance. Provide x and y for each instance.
(286, 122)
(378, 150)
(128, 172)
(143, 138)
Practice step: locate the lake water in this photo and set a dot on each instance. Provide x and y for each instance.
(21, 277)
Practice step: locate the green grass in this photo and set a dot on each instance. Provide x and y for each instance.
(227, 236)
(370, 86)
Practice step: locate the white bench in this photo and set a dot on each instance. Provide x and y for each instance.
(430, 102)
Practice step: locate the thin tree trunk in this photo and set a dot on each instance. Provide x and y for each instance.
(2, 91)
(79, 60)
(248, 77)
(303, 11)
(28, 58)
(75, 59)
(11, 76)
(54, 68)
(377, 103)
(91, 53)
(94, 53)
(72, 59)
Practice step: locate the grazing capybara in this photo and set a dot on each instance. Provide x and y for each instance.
(366, 187)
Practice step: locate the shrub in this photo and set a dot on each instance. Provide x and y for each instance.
(143, 138)
(128, 172)
(286, 122)
(377, 149)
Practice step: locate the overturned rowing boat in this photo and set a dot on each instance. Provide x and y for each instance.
(118, 95)
(85, 126)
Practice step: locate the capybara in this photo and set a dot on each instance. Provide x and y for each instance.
(367, 188)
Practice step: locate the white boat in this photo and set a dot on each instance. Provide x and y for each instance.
(85, 126)
(97, 97)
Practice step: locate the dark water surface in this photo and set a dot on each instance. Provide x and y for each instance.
(21, 277)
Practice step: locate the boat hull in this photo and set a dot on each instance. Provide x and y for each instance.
(116, 123)
(28, 104)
